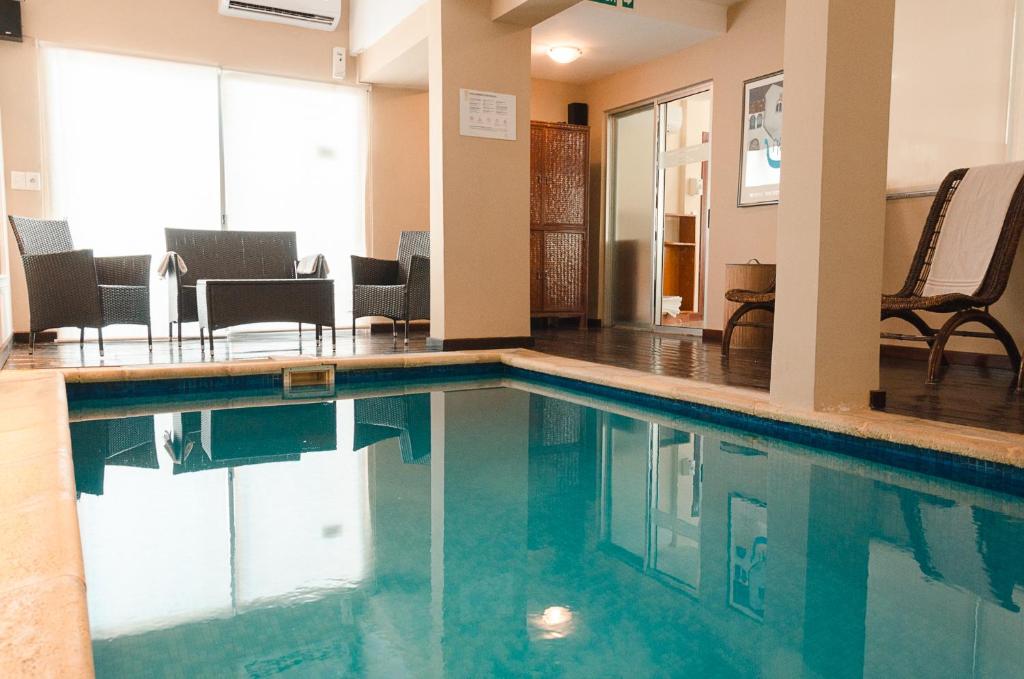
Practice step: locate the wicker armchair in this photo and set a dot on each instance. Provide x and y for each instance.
(396, 289)
(405, 417)
(910, 300)
(72, 288)
(220, 255)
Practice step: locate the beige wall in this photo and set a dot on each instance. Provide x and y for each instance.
(479, 188)
(182, 30)
(399, 183)
(751, 47)
(550, 100)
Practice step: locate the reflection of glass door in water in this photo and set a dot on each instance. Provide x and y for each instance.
(631, 210)
(684, 134)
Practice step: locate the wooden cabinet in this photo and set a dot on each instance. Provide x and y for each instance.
(559, 172)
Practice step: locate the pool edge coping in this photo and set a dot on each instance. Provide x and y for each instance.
(45, 642)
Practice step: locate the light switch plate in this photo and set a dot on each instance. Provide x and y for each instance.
(17, 181)
(33, 181)
(339, 63)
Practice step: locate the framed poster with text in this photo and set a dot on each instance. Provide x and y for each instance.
(761, 146)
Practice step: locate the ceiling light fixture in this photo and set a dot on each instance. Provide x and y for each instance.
(564, 54)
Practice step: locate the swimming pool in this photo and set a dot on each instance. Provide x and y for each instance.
(508, 528)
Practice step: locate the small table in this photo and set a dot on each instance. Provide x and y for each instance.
(228, 302)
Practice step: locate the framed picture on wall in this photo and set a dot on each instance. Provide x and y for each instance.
(761, 146)
(748, 555)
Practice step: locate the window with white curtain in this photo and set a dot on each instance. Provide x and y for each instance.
(954, 86)
(138, 145)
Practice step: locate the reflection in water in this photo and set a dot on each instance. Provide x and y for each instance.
(497, 532)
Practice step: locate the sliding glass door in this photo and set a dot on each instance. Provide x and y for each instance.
(139, 145)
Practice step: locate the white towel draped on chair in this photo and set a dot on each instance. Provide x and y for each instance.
(310, 265)
(165, 264)
(970, 232)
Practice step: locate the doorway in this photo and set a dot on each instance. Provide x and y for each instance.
(659, 211)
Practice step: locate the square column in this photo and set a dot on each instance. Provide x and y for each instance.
(479, 188)
(838, 72)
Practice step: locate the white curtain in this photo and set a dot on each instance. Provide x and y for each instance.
(294, 160)
(135, 146)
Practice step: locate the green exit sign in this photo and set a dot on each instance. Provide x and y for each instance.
(627, 4)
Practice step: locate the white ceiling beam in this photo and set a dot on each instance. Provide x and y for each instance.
(399, 58)
(528, 12)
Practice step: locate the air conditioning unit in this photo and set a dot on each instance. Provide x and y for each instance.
(320, 14)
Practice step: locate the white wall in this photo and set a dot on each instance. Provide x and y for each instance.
(370, 20)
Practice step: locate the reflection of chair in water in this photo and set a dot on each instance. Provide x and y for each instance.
(967, 547)
(126, 442)
(406, 417)
(235, 437)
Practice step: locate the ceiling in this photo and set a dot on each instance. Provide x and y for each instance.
(612, 40)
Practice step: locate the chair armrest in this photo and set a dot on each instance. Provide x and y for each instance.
(370, 271)
(321, 270)
(418, 288)
(125, 270)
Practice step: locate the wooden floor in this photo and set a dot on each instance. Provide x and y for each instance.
(967, 395)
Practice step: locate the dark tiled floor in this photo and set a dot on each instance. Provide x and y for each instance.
(967, 395)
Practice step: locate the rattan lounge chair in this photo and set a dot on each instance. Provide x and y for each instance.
(72, 288)
(396, 289)
(910, 300)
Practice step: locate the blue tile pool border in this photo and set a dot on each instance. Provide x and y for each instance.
(949, 466)
(219, 384)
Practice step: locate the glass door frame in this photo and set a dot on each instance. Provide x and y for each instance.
(657, 188)
(661, 123)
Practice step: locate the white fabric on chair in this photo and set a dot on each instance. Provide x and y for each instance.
(309, 265)
(165, 264)
(971, 229)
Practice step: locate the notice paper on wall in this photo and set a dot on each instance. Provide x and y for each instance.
(487, 114)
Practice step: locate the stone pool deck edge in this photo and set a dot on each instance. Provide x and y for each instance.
(43, 613)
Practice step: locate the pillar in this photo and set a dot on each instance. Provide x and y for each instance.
(838, 70)
(479, 188)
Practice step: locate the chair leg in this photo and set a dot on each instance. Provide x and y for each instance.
(407, 331)
(81, 336)
(170, 331)
(394, 329)
(734, 320)
(202, 339)
(962, 318)
(149, 336)
(334, 336)
(32, 342)
(100, 332)
(211, 341)
(179, 334)
(353, 327)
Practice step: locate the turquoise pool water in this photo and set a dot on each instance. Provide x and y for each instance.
(486, 530)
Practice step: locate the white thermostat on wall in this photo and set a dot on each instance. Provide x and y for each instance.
(338, 63)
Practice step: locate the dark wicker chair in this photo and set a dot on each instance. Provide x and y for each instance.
(72, 288)
(396, 289)
(406, 417)
(222, 255)
(909, 302)
(123, 442)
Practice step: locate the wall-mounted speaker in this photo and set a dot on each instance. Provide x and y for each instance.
(10, 20)
(579, 114)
